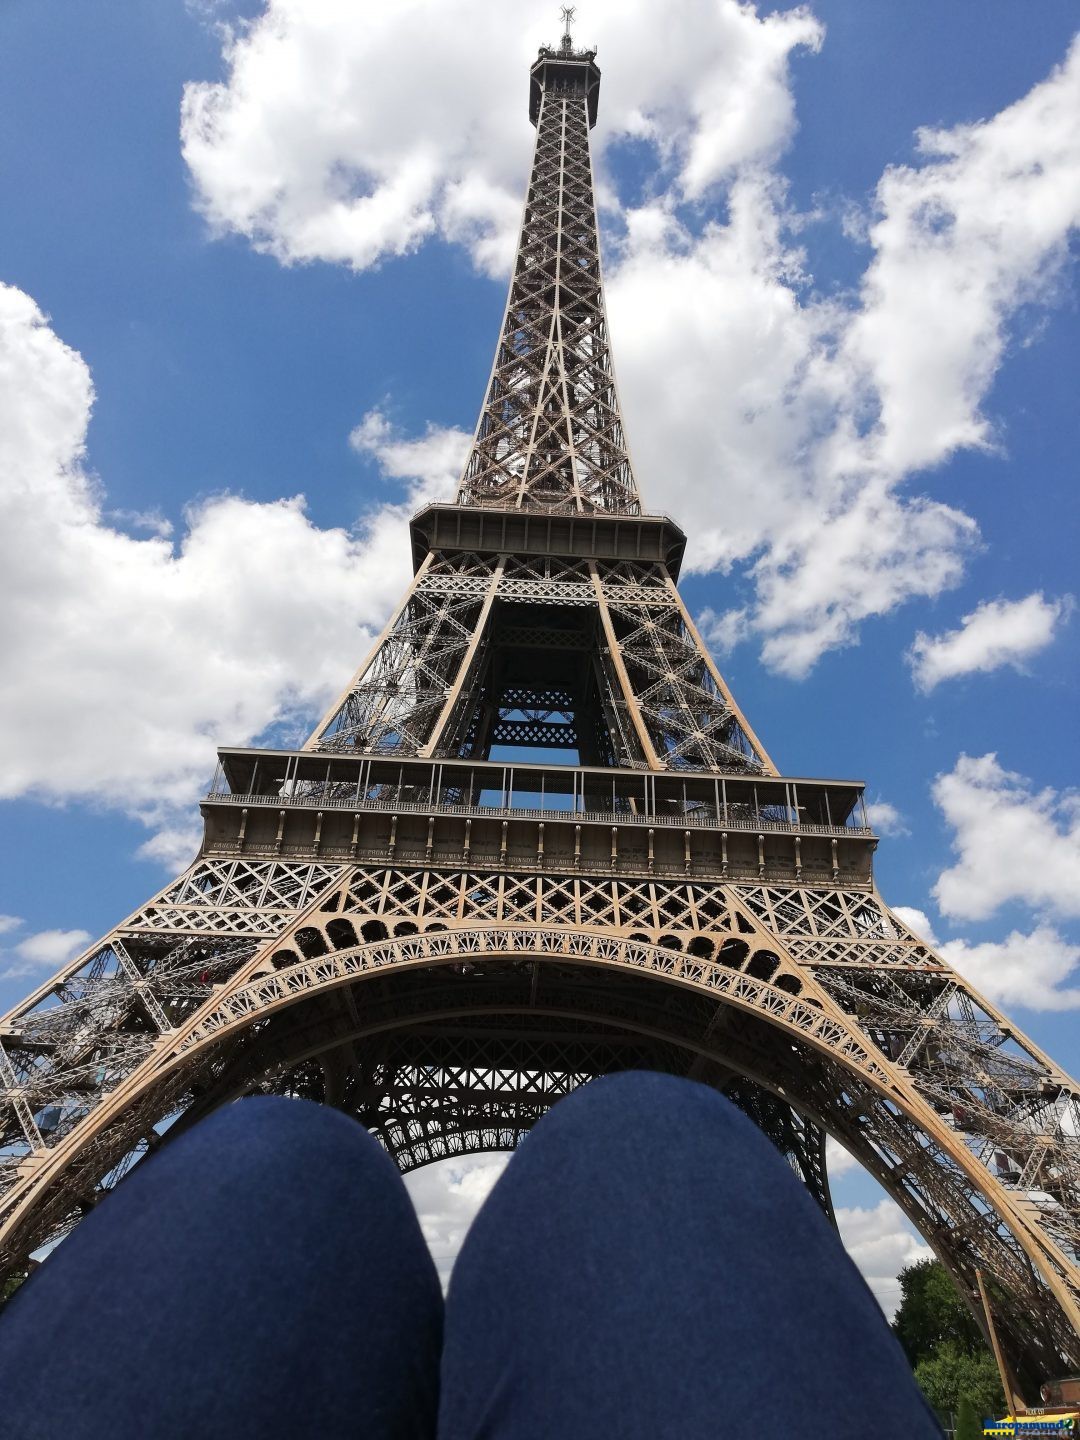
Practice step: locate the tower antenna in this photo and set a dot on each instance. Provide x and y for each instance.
(567, 13)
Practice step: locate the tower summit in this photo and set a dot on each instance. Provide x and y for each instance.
(550, 435)
(535, 840)
(565, 71)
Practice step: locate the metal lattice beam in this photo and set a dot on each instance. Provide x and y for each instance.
(550, 435)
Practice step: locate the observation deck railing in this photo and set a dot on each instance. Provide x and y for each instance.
(698, 818)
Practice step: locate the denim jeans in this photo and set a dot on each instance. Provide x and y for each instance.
(647, 1266)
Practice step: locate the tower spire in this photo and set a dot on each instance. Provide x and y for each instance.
(550, 435)
(567, 12)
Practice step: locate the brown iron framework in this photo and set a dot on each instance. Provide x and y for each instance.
(535, 840)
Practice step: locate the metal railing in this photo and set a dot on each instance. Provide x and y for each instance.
(703, 867)
(702, 819)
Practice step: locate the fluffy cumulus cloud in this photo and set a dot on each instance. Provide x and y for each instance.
(917, 921)
(447, 1196)
(995, 633)
(885, 818)
(150, 650)
(800, 421)
(774, 469)
(838, 1160)
(1033, 970)
(1012, 843)
(430, 466)
(334, 137)
(881, 1242)
(41, 952)
(1014, 846)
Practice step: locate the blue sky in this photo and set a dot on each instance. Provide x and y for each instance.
(786, 259)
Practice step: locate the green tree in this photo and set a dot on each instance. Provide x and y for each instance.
(10, 1285)
(931, 1312)
(951, 1375)
(944, 1344)
(968, 1423)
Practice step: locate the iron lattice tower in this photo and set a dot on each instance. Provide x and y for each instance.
(536, 840)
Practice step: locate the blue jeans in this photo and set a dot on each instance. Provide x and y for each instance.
(647, 1266)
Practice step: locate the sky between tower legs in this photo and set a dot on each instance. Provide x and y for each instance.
(268, 244)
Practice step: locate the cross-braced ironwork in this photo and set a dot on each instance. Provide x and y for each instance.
(550, 435)
(533, 841)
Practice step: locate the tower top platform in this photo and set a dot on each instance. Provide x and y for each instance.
(567, 72)
(506, 529)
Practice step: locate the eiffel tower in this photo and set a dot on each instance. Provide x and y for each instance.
(536, 840)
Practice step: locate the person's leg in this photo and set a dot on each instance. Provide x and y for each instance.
(264, 1275)
(648, 1266)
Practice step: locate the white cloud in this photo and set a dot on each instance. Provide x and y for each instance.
(838, 1161)
(799, 419)
(45, 950)
(979, 227)
(321, 145)
(133, 657)
(446, 1197)
(881, 1242)
(148, 520)
(722, 633)
(1012, 843)
(886, 819)
(1031, 970)
(995, 633)
(718, 344)
(52, 947)
(9, 923)
(917, 921)
(432, 464)
(176, 838)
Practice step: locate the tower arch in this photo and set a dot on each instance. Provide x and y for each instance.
(826, 1070)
